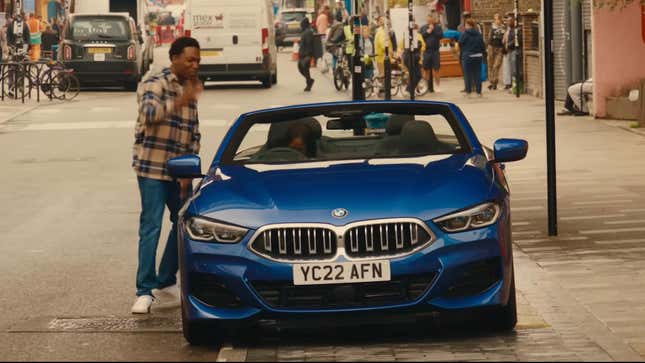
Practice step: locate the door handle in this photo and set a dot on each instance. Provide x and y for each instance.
(235, 39)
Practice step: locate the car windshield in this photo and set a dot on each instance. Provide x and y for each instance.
(98, 28)
(344, 135)
(293, 16)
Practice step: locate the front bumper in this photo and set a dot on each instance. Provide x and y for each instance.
(457, 271)
(104, 72)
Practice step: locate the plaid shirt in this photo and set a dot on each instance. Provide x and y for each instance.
(161, 132)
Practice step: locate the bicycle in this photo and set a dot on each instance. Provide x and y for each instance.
(342, 73)
(59, 82)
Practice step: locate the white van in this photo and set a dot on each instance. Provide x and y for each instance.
(236, 37)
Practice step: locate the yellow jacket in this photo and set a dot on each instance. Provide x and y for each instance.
(420, 40)
(380, 41)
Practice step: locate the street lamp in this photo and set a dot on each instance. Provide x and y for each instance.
(549, 99)
(412, 88)
(358, 93)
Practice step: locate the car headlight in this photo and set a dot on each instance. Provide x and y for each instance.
(201, 229)
(480, 216)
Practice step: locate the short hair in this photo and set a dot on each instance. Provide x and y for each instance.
(177, 47)
(471, 22)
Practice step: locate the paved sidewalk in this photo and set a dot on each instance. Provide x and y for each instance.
(12, 109)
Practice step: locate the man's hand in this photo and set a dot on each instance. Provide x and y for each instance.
(192, 90)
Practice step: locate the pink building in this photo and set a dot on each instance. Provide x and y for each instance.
(618, 53)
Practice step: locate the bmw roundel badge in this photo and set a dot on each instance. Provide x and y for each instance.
(339, 213)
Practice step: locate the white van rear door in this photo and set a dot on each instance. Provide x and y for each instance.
(228, 31)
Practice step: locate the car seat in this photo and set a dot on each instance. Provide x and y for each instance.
(418, 137)
(390, 142)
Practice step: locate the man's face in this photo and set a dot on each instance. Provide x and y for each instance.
(430, 20)
(186, 64)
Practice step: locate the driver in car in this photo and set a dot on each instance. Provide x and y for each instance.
(300, 138)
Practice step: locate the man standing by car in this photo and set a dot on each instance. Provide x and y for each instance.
(306, 52)
(167, 127)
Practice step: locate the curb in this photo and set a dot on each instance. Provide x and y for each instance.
(17, 114)
(620, 124)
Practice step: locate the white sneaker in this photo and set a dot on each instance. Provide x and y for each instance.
(436, 89)
(168, 297)
(142, 304)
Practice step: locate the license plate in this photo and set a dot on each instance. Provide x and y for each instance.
(293, 26)
(99, 50)
(341, 273)
(100, 57)
(210, 53)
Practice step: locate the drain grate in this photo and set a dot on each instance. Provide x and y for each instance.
(106, 324)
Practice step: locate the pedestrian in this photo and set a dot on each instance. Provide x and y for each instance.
(306, 52)
(340, 13)
(35, 37)
(322, 21)
(367, 52)
(15, 29)
(49, 38)
(473, 52)
(496, 50)
(3, 41)
(412, 55)
(513, 48)
(167, 127)
(575, 103)
(432, 35)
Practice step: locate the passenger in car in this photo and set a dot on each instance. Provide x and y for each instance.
(301, 138)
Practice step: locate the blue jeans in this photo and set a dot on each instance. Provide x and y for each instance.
(155, 196)
(473, 75)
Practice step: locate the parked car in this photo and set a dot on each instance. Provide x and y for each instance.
(236, 39)
(106, 49)
(287, 26)
(304, 215)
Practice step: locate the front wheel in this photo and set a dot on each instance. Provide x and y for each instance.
(339, 78)
(504, 318)
(199, 333)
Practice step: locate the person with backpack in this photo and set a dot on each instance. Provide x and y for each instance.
(473, 53)
(495, 51)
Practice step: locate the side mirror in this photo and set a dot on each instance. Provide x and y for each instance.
(510, 150)
(185, 167)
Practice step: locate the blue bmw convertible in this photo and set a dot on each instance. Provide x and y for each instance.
(348, 209)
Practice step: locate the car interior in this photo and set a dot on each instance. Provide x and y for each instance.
(403, 135)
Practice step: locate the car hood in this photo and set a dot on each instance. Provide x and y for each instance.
(424, 188)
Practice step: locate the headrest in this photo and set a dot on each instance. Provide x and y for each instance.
(418, 137)
(316, 129)
(396, 122)
(278, 134)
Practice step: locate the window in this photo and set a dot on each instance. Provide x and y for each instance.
(98, 28)
(345, 136)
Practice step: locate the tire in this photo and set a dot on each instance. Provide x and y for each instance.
(338, 79)
(131, 86)
(504, 318)
(199, 332)
(267, 82)
(422, 88)
(274, 77)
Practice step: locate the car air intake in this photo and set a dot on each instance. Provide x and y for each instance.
(475, 277)
(384, 239)
(211, 291)
(400, 290)
(304, 243)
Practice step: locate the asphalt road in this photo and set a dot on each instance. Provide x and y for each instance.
(69, 218)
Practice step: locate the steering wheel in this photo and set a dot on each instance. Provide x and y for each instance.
(281, 154)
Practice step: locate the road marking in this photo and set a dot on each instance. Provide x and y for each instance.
(528, 198)
(616, 230)
(626, 221)
(526, 233)
(228, 353)
(632, 210)
(576, 218)
(521, 223)
(603, 202)
(619, 241)
(522, 209)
